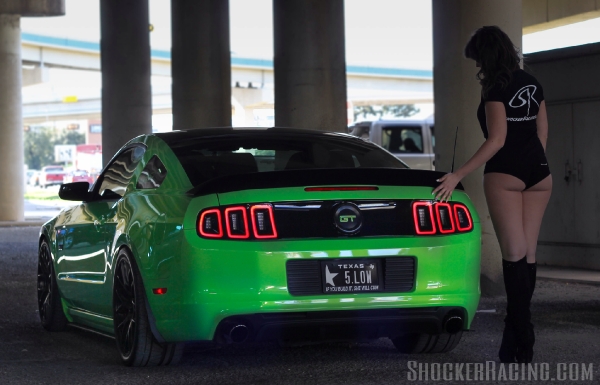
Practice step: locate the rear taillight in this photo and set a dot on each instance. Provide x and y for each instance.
(237, 224)
(463, 217)
(423, 216)
(263, 222)
(209, 224)
(444, 218)
(441, 218)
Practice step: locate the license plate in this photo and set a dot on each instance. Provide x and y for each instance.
(351, 276)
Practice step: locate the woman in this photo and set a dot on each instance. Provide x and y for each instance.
(517, 181)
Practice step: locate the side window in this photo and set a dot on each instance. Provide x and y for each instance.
(117, 176)
(152, 175)
(402, 139)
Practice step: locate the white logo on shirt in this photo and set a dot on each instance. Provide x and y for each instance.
(524, 96)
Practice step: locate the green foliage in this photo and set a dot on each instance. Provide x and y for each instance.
(39, 145)
(396, 110)
(38, 150)
(70, 137)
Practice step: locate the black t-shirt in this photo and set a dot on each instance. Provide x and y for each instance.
(521, 98)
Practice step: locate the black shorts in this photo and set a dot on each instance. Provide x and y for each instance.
(529, 166)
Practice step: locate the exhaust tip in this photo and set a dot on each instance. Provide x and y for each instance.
(453, 324)
(235, 332)
(239, 333)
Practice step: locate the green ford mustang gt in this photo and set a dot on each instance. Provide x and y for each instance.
(234, 235)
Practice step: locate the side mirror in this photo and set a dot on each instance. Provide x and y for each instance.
(110, 195)
(76, 191)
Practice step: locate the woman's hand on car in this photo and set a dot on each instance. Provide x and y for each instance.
(448, 183)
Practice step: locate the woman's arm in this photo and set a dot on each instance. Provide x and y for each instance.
(542, 124)
(496, 124)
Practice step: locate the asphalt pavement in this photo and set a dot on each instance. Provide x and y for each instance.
(566, 317)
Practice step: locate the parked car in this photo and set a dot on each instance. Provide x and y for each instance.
(51, 175)
(235, 235)
(412, 141)
(79, 176)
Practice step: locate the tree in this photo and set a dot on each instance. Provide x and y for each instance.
(70, 137)
(39, 150)
(39, 145)
(396, 110)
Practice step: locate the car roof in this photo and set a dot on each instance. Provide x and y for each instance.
(174, 137)
(406, 121)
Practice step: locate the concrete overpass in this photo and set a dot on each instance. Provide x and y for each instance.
(252, 82)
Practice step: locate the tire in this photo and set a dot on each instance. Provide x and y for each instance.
(52, 315)
(135, 341)
(418, 343)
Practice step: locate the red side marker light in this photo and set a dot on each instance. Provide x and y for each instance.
(160, 290)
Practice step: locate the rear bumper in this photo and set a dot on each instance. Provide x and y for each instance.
(214, 281)
(340, 324)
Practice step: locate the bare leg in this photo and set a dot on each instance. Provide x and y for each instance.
(504, 197)
(535, 200)
(511, 211)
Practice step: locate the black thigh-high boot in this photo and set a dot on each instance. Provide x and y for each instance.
(517, 342)
(508, 346)
(532, 271)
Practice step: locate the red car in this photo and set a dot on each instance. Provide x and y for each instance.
(51, 175)
(79, 176)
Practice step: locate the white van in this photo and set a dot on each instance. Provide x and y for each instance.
(412, 141)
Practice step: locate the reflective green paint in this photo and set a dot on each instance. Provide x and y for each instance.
(224, 278)
(208, 280)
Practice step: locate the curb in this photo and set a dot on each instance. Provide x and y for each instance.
(569, 275)
(569, 280)
(22, 224)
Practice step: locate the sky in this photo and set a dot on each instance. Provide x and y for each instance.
(379, 33)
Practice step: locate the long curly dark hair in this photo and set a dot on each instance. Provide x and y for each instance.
(496, 53)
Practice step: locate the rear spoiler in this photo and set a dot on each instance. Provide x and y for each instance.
(320, 177)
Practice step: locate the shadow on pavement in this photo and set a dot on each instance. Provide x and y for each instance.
(566, 318)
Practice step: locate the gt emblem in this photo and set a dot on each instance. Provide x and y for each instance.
(347, 218)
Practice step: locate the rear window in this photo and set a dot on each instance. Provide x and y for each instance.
(207, 158)
(152, 175)
(402, 139)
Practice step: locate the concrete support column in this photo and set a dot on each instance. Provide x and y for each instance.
(12, 186)
(310, 64)
(125, 62)
(457, 94)
(200, 64)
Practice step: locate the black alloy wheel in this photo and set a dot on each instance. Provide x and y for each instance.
(124, 305)
(50, 309)
(135, 340)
